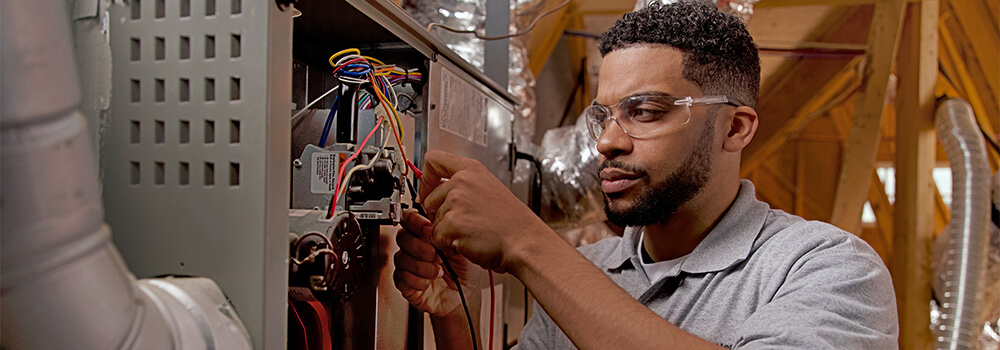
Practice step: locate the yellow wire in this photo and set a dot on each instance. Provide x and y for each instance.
(396, 131)
(395, 115)
(341, 52)
(373, 59)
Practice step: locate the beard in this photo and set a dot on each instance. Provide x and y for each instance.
(660, 200)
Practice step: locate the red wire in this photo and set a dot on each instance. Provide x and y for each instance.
(305, 337)
(416, 172)
(340, 174)
(493, 304)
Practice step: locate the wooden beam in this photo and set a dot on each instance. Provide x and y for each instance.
(879, 202)
(862, 143)
(791, 86)
(965, 81)
(982, 35)
(942, 214)
(838, 89)
(543, 39)
(915, 205)
(783, 3)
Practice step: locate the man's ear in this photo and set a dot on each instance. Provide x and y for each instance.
(742, 126)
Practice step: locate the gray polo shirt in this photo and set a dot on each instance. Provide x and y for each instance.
(761, 279)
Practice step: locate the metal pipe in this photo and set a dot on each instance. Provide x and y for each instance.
(63, 284)
(970, 215)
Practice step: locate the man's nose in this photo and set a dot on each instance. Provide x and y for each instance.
(614, 140)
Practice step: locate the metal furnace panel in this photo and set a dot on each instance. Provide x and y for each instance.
(196, 159)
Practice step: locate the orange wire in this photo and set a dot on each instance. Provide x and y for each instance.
(385, 105)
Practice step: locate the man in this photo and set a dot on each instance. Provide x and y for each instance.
(702, 264)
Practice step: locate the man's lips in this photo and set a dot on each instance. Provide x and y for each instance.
(615, 180)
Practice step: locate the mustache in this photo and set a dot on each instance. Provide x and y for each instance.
(614, 163)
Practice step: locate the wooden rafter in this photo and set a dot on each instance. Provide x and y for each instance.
(915, 190)
(862, 143)
(782, 96)
(974, 17)
(838, 89)
(958, 72)
(879, 202)
(782, 3)
(543, 39)
(877, 197)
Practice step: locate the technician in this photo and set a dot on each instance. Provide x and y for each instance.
(702, 264)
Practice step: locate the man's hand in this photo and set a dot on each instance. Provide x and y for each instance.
(420, 276)
(473, 213)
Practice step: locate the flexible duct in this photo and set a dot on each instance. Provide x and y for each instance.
(63, 284)
(967, 246)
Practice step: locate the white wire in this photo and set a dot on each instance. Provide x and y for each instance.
(306, 108)
(347, 177)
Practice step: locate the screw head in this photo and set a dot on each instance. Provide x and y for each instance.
(297, 163)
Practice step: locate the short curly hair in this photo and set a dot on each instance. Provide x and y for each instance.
(719, 53)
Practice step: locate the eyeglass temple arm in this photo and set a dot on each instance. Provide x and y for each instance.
(708, 100)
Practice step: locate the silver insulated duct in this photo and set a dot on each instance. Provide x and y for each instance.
(970, 215)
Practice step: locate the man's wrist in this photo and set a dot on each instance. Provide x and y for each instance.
(520, 257)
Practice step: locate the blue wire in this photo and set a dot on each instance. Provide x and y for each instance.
(329, 121)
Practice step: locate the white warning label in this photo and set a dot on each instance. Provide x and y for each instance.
(324, 172)
(463, 108)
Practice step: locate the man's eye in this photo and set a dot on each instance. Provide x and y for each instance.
(646, 115)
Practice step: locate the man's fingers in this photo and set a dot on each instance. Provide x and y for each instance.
(439, 165)
(414, 223)
(419, 248)
(415, 266)
(446, 234)
(407, 281)
(433, 201)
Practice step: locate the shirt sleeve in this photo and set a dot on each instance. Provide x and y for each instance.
(535, 334)
(835, 295)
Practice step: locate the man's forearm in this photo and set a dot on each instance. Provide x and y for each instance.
(590, 308)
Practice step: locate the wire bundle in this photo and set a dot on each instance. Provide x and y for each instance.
(351, 67)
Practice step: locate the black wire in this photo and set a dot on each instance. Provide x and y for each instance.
(536, 189)
(447, 267)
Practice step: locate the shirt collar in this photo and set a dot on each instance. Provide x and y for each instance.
(728, 243)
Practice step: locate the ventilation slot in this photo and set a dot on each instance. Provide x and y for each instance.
(136, 50)
(184, 174)
(235, 46)
(136, 132)
(237, 7)
(234, 89)
(209, 89)
(209, 8)
(160, 91)
(184, 93)
(136, 173)
(234, 174)
(161, 8)
(234, 131)
(185, 48)
(209, 174)
(160, 175)
(185, 132)
(136, 10)
(209, 131)
(185, 8)
(209, 46)
(161, 48)
(136, 91)
(160, 134)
